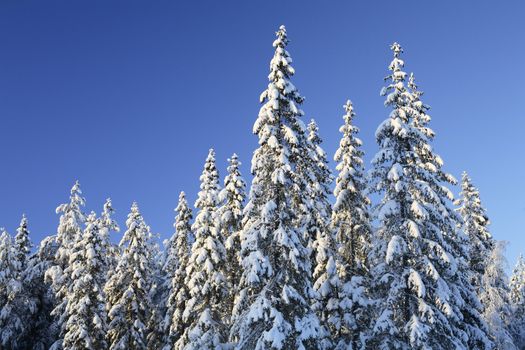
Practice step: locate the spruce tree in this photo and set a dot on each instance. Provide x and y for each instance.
(495, 298)
(22, 243)
(272, 310)
(11, 322)
(319, 189)
(328, 302)
(85, 323)
(230, 216)
(69, 231)
(178, 258)
(352, 232)
(205, 309)
(417, 268)
(472, 324)
(486, 264)
(107, 225)
(517, 301)
(42, 329)
(127, 291)
(475, 225)
(15, 317)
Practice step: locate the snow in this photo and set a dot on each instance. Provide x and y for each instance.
(396, 247)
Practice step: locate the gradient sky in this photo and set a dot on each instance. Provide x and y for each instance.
(128, 96)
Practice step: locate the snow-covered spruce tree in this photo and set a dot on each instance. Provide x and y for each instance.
(350, 217)
(495, 298)
(127, 291)
(205, 310)
(319, 189)
(22, 244)
(472, 324)
(475, 225)
(319, 238)
(10, 288)
(486, 264)
(415, 267)
(347, 313)
(85, 321)
(107, 225)
(327, 283)
(178, 258)
(272, 310)
(156, 293)
(14, 316)
(517, 301)
(229, 221)
(69, 231)
(41, 329)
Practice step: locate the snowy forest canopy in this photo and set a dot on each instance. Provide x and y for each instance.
(284, 265)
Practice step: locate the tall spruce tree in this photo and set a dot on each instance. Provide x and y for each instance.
(273, 311)
(128, 290)
(230, 216)
(416, 272)
(69, 231)
(472, 324)
(178, 257)
(517, 301)
(352, 231)
(85, 322)
(208, 287)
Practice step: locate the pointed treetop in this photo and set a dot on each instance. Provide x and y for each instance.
(23, 222)
(397, 49)
(350, 114)
(234, 161)
(349, 107)
(396, 66)
(22, 228)
(135, 208)
(108, 207)
(76, 193)
(282, 37)
(211, 155)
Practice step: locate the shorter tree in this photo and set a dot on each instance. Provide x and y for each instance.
(495, 298)
(85, 324)
(204, 312)
(127, 291)
(229, 221)
(517, 302)
(10, 288)
(179, 254)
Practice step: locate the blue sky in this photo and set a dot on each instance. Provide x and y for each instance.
(128, 96)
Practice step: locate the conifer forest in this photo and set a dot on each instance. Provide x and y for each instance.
(304, 256)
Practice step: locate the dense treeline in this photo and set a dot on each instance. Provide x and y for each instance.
(284, 266)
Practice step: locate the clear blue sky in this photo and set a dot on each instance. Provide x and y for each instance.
(128, 96)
